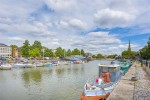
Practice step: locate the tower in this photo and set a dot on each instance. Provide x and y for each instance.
(129, 46)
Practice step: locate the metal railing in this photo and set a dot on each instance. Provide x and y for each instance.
(145, 63)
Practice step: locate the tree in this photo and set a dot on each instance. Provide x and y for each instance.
(48, 53)
(68, 52)
(34, 52)
(76, 52)
(37, 44)
(145, 52)
(94, 56)
(127, 54)
(59, 52)
(25, 49)
(148, 49)
(99, 56)
(82, 52)
(112, 56)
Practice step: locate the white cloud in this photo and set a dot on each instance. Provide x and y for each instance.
(17, 8)
(60, 5)
(77, 24)
(70, 23)
(16, 38)
(111, 18)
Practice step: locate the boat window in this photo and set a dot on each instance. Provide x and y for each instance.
(117, 69)
(104, 69)
(111, 69)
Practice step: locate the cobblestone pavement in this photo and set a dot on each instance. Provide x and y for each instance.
(142, 85)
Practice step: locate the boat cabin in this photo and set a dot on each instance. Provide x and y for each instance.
(109, 73)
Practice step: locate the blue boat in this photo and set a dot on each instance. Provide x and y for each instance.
(125, 65)
(55, 63)
(108, 77)
(49, 64)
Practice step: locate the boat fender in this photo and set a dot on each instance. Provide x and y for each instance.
(100, 81)
(97, 80)
(88, 86)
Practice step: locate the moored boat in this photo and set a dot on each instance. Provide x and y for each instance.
(78, 62)
(49, 64)
(55, 63)
(107, 79)
(19, 65)
(5, 66)
(125, 66)
(27, 65)
(38, 64)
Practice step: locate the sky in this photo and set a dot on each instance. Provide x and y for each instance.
(97, 26)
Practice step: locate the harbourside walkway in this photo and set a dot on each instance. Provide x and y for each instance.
(130, 89)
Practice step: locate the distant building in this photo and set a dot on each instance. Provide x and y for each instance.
(88, 54)
(5, 51)
(15, 53)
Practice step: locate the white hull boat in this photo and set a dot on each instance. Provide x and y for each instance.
(38, 64)
(5, 66)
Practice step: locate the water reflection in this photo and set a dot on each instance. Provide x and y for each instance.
(64, 82)
(60, 71)
(30, 75)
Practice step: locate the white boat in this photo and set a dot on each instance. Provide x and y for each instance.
(65, 63)
(55, 63)
(19, 65)
(108, 77)
(5, 66)
(28, 65)
(38, 64)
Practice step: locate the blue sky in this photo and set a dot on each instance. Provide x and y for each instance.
(97, 26)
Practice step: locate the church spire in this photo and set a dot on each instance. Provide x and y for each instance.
(129, 47)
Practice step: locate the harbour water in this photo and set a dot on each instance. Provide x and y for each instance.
(64, 82)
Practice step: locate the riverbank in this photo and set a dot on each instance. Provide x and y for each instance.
(129, 89)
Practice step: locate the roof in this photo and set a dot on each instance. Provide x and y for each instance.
(3, 45)
(109, 65)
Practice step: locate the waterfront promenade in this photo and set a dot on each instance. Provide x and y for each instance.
(128, 89)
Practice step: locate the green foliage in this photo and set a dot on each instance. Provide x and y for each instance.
(37, 44)
(47, 52)
(99, 56)
(94, 56)
(76, 52)
(127, 54)
(112, 56)
(69, 52)
(34, 52)
(25, 49)
(82, 52)
(145, 52)
(59, 52)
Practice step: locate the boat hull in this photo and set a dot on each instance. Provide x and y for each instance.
(48, 65)
(103, 97)
(5, 68)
